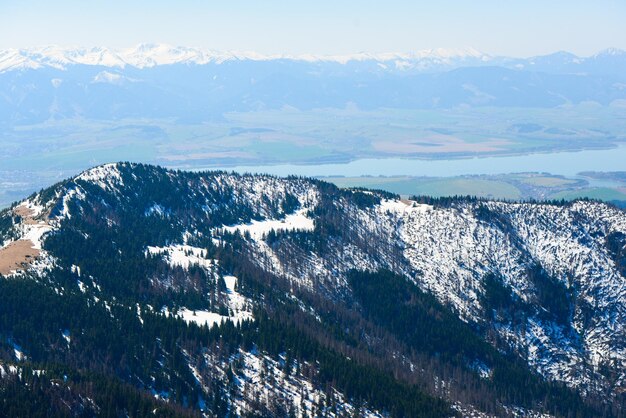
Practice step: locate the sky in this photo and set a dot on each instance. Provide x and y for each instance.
(518, 28)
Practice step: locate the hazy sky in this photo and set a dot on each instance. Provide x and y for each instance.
(513, 27)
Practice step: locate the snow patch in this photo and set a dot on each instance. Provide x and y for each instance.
(109, 78)
(403, 206)
(35, 233)
(239, 308)
(297, 221)
(66, 336)
(107, 176)
(482, 369)
(75, 269)
(19, 354)
(155, 209)
(183, 256)
(81, 286)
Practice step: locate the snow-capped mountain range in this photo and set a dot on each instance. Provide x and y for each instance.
(539, 286)
(151, 55)
(195, 85)
(149, 94)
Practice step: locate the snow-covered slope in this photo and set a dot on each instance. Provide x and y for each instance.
(542, 281)
(449, 251)
(452, 250)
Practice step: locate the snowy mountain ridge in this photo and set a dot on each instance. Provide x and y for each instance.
(151, 55)
(542, 282)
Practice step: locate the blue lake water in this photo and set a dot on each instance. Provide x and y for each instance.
(563, 163)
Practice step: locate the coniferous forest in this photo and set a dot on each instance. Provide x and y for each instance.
(317, 320)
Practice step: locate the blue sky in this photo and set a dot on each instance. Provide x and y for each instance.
(517, 28)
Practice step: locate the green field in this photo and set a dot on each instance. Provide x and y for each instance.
(407, 186)
(599, 193)
(509, 187)
(39, 155)
(293, 136)
(547, 181)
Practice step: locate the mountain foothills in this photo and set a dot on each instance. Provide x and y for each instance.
(132, 290)
(194, 85)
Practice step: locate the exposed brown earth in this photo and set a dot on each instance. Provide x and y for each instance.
(24, 211)
(19, 254)
(26, 214)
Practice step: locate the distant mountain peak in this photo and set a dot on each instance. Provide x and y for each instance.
(611, 52)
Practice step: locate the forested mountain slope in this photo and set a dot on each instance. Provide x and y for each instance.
(131, 289)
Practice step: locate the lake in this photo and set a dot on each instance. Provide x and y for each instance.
(563, 163)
